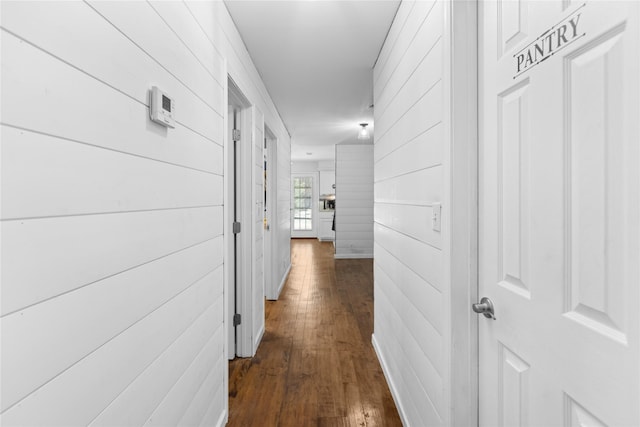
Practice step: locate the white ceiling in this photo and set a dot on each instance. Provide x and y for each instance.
(316, 59)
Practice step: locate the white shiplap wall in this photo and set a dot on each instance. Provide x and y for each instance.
(354, 201)
(411, 287)
(112, 227)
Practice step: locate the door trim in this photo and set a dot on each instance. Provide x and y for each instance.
(244, 342)
(461, 223)
(272, 289)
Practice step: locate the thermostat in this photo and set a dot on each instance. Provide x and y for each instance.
(161, 108)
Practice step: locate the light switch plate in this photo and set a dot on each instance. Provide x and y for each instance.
(436, 218)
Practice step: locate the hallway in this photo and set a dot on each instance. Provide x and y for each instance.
(315, 365)
(481, 160)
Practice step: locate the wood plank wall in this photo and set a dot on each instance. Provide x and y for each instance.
(354, 201)
(410, 291)
(112, 226)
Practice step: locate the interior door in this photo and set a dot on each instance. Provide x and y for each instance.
(559, 213)
(270, 212)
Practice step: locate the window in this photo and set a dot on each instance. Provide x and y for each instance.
(302, 203)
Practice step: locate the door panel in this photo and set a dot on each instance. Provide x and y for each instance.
(559, 221)
(513, 184)
(513, 388)
(513, 18)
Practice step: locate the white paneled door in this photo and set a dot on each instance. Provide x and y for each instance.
(559, 213)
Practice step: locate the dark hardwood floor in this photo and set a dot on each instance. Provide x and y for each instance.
(316, 365)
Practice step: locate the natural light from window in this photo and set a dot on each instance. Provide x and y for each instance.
(302, 203)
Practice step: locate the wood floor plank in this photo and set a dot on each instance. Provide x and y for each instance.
(316, 365)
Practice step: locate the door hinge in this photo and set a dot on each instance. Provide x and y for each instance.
(236, 227)
(236, 135)
(237, 319)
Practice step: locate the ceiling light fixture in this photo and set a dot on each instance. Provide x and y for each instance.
(364, 133)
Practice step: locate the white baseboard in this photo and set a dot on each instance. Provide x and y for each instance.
(258, 339)
(352, 256)
(285, 276)
(281, 285)
(222, 421)
(390, 383)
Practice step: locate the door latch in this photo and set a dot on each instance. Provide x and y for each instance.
(484, 307)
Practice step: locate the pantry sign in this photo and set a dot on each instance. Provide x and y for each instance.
(549, 43)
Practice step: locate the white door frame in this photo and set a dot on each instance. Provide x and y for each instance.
(238, 295)
(460, 223)
(270, 257)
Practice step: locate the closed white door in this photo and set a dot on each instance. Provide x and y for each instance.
(559, 225)
(269, 214)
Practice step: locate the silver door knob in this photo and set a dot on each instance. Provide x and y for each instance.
(484, 307)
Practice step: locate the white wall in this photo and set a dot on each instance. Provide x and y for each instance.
(409, 313)
(424, 90)
(354, 201)
(112, 227)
